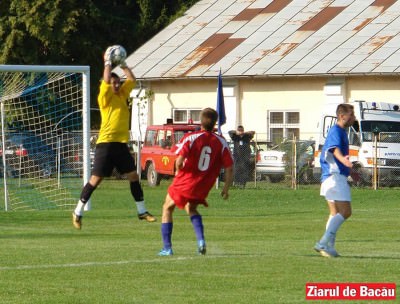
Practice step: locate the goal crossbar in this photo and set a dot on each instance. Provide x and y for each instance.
(41, 68)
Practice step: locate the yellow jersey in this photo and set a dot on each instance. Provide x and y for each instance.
(114, 112)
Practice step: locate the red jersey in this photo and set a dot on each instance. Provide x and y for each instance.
(205, 154)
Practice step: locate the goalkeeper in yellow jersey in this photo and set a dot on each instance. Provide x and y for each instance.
(111, 147)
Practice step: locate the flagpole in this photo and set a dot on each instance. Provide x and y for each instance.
(220, 103)
(220, 110)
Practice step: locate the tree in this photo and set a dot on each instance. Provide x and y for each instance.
(73, 32)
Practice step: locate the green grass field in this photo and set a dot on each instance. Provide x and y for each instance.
(259, 249)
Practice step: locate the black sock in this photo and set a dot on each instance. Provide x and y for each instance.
(136, 190)
(87, 192)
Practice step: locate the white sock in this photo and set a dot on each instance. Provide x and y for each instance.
(332, 240)
(328, 221)
(333, 227)
(79, 208)
(141, 208)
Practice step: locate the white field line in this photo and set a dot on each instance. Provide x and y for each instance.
(89, 264)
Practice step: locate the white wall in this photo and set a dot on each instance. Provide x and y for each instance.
(255, 97)
(260, 96)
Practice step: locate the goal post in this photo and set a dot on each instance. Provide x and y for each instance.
(45, 135)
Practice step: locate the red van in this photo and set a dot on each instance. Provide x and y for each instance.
(156, 159)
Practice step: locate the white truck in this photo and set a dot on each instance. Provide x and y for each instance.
(374, 141)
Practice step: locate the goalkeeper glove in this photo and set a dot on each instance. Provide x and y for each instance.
(108, 56)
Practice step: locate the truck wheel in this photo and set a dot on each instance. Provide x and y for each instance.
(276, 178)
(153, 177)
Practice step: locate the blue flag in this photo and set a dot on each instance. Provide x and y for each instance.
(220, 104)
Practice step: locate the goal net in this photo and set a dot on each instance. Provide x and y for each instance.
(44, 143)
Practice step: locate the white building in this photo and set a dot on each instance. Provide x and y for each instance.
(281, 60)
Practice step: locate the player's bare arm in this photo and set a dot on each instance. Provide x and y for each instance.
(179, 163)
(107, 74)
(128, 72)
(228, 182)
(107, 65)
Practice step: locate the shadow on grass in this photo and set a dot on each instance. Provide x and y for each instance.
(258, 214)
(57, 235)
(349, 257)
(372, 257)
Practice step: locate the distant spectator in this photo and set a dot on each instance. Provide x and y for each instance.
(242, 155)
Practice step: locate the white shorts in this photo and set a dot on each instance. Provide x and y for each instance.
(336, 188)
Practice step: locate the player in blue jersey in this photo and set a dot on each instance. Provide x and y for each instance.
(335, 167)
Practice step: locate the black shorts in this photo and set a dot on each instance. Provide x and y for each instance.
(112, 155)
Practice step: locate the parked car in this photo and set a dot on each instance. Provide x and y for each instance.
(278, 161)
(270, 163)
(27, 153)
(156, 158)
(68, 147)
(10, 171)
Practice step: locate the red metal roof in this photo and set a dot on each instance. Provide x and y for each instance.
(263, 38)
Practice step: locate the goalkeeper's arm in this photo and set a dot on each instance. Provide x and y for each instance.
(127, 71)
(107, 74)
(107, 65)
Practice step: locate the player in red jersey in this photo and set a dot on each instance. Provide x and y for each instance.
(201, 155)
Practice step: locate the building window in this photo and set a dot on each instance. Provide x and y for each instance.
(293, 117)
(186, 115)
(276, 117)
(282, 125)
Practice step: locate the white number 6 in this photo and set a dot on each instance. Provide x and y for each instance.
(204, 161)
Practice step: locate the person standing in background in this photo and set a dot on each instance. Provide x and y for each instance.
(241, 155)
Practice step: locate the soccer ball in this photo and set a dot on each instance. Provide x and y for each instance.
(118, 54)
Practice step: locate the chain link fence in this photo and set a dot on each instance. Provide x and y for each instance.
(290, 164)
(284, 165)
(378, 162)
(294, 163)
(30, 163)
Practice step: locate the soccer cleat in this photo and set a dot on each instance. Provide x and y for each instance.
(329, 252)
(147, 216)
(325, 250)
(202, 249)
(76, 220)
(166, 252)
